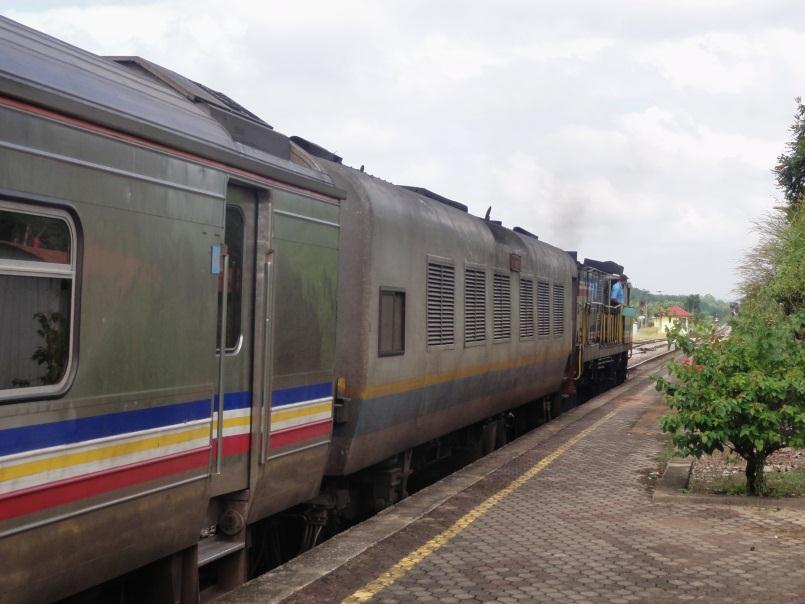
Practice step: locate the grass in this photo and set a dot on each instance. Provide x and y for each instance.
(781, 484)
(668, 452)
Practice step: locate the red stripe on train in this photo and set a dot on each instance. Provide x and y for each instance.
(239, 443)
(61, 492)
(290, 436)
(65, 491)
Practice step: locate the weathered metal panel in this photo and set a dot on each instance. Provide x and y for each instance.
(70, 555)
(53, 74)
(86, 469)
(388, 234)
(303, 285)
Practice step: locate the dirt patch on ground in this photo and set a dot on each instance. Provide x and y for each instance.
(723, 473)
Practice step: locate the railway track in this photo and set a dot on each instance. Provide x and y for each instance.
(649, 348)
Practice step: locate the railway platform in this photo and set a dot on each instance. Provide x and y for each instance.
(563, 514)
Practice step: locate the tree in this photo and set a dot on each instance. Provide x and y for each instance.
(745, 393)
(693, 304)
(708, 305)
(790, 168)
(776, 265)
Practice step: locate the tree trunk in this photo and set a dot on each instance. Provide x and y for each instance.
(755, 478)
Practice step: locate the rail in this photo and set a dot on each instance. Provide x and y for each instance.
(653, 358)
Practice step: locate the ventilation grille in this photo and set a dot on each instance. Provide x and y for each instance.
(502, 307)
(441, 302)
(558, 310)
(543, 309)
(526, 308)
(474, 306)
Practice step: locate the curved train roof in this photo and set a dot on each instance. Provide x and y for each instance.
(414, 208)
(135, 96)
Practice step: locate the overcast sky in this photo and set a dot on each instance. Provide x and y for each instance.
(638, 131)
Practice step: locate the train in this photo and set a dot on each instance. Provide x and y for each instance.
(215, 337)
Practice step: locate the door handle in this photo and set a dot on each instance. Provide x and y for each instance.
(265, 399)
(219, 450)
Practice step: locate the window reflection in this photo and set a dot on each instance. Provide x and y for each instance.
(34, 238)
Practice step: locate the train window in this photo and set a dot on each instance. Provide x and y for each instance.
(391, 336)
(543, 309)
(234, 287)
(526, 308)
(558, 310)
(37, 275)
(474, 305)
(441, 304)
(501, 307)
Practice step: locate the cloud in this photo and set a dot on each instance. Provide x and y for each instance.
(643, 132)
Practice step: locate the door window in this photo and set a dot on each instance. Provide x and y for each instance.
(234, 285)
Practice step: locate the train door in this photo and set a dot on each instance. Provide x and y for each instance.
(231, 439)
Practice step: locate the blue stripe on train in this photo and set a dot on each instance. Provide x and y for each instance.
(288, 396)
(39, 436)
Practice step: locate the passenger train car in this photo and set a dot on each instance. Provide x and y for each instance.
(205, 323)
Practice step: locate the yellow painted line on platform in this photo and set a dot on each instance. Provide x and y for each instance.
(389, 577)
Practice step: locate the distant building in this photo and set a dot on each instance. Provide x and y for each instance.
(667, 317)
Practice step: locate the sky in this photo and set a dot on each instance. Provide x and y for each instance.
(640, 131)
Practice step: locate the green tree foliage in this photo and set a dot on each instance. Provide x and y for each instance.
(790, 169)
(54, 331)
(693, 304)
(788, 285)
(744, 392)
(709, 306)
(776, 265)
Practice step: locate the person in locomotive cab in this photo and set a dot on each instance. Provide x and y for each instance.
(617, 296)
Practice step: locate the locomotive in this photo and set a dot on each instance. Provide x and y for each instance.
(206, 323)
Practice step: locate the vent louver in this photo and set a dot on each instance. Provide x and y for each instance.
(441, 303)
(474, 305)
(543, 309)
(502, 307)
(558, 310)
(526, 308)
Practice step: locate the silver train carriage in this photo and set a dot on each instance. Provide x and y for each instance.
(130, 199)
(444, 319)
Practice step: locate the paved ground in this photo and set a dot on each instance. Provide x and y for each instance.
(571, 520)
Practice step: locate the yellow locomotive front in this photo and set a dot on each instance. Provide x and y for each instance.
(603, 327)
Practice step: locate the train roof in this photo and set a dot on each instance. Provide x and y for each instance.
(421, 204)
(135, 96)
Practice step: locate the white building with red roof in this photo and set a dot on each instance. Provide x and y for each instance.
(666, 318)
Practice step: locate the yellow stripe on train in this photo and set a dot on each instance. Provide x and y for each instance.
(281, 416)
(101, 453)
